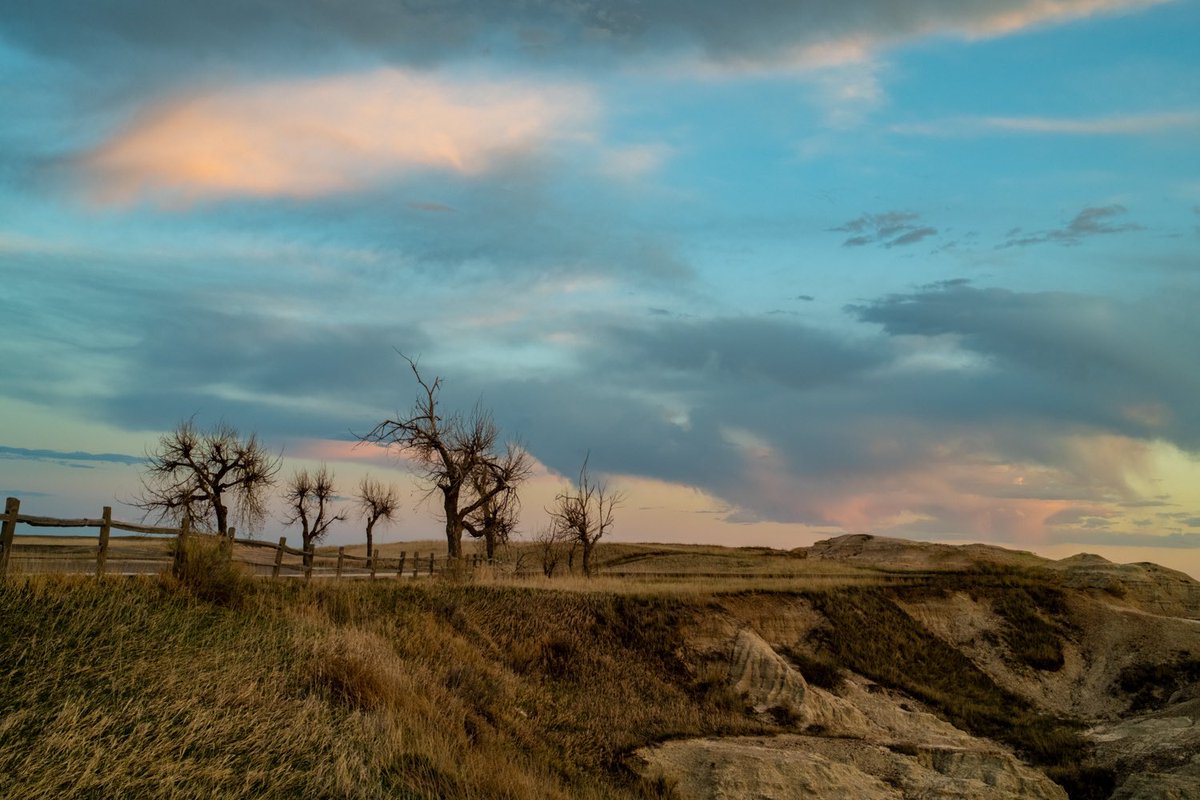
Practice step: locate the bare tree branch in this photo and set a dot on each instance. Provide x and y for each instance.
(584, 514)
(376, 503)
(310, 499)
(194, 475)
(451, 453)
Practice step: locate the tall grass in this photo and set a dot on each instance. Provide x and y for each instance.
(146, 687)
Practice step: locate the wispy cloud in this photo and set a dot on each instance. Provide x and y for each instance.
(1117, 125)
(315, 137)
(889, 229)
(62, 455)
(1091, 221)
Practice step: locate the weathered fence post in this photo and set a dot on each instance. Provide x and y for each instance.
(400, 568)
(431, 565)
(229, 544)
(416, 562)
(374, 561)
(309, 555)
(102, 551)
(12, 506)
(185, 526)
(341, 558)
(278, 556)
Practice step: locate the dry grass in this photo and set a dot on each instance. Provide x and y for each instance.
(432, 689)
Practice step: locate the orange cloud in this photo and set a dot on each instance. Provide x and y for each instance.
(316, 137)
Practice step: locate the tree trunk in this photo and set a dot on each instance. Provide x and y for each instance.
(370, 545)
(454, 524)
(489, 542)
(307, 540)
(222, 516)
(587, 558)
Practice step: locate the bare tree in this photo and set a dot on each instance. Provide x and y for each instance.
(198, 475)
(451, 452)
(551, 545)
(496, 518)
(310, 499)
(376, 503)
(584, 514)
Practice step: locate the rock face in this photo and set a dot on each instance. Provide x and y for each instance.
(1160, 750)
(1112, 622)
(874, 744)
(1149, 587)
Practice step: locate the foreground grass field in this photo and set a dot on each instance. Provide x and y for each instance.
(208, 683)
(135, 687)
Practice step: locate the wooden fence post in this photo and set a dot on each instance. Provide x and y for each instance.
(309, 554)
(341, 557)
(278, 556)
(400, 568)
(431, 565)
(229, 544)
(185, 526)
(102, 551)
(12, 506)
(416, 562)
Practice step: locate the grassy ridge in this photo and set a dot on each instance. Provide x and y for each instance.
(209, 684)
(138, 688)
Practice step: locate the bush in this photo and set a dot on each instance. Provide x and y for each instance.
(203, 569)
(1151, 685)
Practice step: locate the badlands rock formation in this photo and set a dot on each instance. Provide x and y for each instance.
(865, 740)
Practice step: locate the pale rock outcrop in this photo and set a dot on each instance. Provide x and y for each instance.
(1160, 751)
(873, 744)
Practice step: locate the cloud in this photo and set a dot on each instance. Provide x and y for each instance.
(889, 228)
(1074, 358)
(1091, 221)
(781, 420)
(1126, 539)
(306, 138)
(62, 455)
(1117, 125)
(749, 37)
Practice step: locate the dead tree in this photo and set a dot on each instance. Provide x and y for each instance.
(584, 514)
(309, 497)
(551, 545)
(208, 478)
(450, 451)
(495, 520)
(376, 503)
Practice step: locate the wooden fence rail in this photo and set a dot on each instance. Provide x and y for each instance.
(325, 564)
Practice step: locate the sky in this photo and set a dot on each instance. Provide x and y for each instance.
(781, 271)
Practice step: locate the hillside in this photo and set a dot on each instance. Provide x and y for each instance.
(860, 667)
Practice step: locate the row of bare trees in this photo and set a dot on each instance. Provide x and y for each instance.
(213, 477)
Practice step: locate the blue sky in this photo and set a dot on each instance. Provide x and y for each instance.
(926, 269)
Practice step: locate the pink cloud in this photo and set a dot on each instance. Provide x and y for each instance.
(336, 134)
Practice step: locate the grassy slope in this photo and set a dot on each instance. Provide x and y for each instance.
(130, 687)
(133, 687)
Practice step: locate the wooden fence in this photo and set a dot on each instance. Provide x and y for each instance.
(152, 551)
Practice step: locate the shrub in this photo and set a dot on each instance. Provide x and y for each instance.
(203, 569)
(1151, 685)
